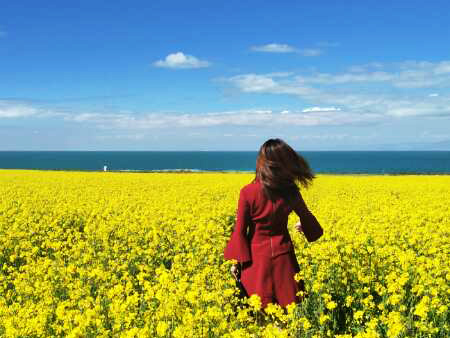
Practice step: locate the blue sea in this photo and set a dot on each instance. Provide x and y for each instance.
(342, 162)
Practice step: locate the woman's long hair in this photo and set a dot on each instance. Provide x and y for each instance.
(279, 168)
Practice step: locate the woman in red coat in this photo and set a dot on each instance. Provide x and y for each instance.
(260, 242)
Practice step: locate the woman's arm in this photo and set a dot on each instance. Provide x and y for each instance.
(238, 246)
(309, 224)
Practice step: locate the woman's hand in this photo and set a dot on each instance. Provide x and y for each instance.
(298, 227)
(236, 270)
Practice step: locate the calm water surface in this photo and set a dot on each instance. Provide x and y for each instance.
(369, 162)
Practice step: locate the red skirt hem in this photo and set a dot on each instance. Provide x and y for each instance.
(272, 278)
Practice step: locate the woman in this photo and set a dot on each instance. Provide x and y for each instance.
(260, 242)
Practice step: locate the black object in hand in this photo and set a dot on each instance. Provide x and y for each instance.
(242, 292)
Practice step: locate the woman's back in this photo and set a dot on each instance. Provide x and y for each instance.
(267, 222)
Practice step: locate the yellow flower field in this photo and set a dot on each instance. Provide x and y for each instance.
(98, 254)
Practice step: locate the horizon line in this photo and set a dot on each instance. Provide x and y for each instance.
(199, 150)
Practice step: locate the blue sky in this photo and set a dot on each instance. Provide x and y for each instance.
(209, 75)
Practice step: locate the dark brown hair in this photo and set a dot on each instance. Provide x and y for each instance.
(279, 168)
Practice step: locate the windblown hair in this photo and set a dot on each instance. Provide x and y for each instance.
(279, 168)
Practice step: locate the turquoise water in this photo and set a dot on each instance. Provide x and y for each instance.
(369, 162)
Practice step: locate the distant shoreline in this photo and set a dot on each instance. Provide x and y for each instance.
(195, 171)
(337, 163)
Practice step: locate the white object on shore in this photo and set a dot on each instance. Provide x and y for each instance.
(105, 168)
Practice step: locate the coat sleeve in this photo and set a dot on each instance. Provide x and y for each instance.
(238, 247)
(311, 226)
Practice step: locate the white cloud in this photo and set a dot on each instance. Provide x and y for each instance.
(283, 48)
(394, 93)
(132, 123)
(132, 137)
(332, 79)
(279, 74)
(252, 83)
(434, 136)
(274, 48)
(425, 108)
(365, 67)
(408, 74)
(180, 60)
(16, 110)
(254, 118)
(442, 68)
(313, 109)
(265, 83)
(335, 137)
(329, 103)
(321, 137)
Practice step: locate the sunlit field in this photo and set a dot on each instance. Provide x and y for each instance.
(99, 254)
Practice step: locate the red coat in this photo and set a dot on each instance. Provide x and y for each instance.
(261, 241)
